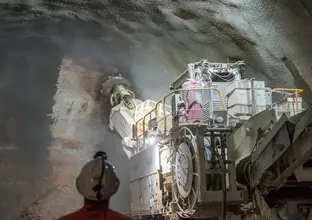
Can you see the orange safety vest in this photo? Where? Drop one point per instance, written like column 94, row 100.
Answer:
column 95, row 211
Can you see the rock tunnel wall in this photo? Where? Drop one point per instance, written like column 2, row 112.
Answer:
column 78, row 132
column 26, row 96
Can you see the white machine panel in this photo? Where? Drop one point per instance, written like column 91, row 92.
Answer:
column 240, row 97
column 143, row 108
column 268, row 97
column 143, row 172
column 165, row 160
column 122, row 121
column 144, row 163
column 144, row 196
column 221, row 86
column 244, row 84
column 289, row 107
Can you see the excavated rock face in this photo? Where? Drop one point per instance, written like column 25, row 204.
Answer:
column 150, row 42
column 78, row 132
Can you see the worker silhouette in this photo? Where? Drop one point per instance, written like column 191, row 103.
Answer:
column 97, row 182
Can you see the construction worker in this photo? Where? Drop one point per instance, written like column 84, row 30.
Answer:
column 97, row 182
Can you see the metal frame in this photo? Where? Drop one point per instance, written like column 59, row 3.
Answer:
column 283, row 135
column 164, row 118
column 275, row 143
column 304, row 144
column 233, row 195
column 302, row 123
column 208, row 198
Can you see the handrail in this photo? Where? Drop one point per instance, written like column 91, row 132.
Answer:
column 164, row 106
column 297, row 91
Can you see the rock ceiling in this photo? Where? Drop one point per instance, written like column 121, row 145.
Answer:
column 157, row 38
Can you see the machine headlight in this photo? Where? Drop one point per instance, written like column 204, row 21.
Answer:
column 151, row 140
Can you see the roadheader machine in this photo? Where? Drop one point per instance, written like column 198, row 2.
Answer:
column 218, row 146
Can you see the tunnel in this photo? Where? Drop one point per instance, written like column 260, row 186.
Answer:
column 150, row 43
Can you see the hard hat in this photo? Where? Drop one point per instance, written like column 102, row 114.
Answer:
column 98, row 179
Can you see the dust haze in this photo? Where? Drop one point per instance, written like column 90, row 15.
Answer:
column 29, row 70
